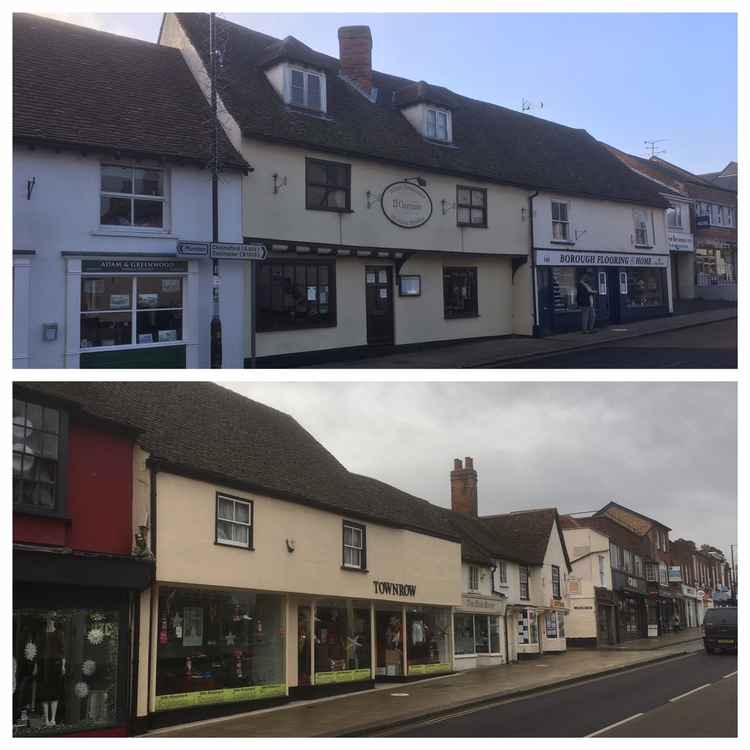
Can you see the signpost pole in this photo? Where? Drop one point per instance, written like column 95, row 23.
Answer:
column 253, row 310
column 216, row 318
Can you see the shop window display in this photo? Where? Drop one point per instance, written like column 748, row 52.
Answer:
column 65, row 670
column 342, row 642
column 645, row 288
column 476, row 634
column 565, row 286
column 428, row 640
column 218, row 647
column 390, row 643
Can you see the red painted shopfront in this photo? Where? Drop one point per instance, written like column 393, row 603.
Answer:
column 75, row 571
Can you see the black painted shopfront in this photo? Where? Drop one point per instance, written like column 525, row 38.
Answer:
column 630, row 595
column 627, row 288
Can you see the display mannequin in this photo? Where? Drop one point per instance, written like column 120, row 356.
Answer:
column 51, row 677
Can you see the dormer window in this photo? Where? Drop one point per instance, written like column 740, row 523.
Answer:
column 305, row 89
column 437, row 125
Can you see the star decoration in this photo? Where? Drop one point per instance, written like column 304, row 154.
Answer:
column 230, row 639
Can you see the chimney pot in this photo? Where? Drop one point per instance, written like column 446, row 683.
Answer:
column 469, row 462
column 457, row 464
column 355, row 55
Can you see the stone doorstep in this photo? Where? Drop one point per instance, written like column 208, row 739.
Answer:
column 372, row 727
column 616, row 336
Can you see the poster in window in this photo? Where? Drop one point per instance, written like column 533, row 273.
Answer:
column 603, row 283
column 145, row 338
column 312, row 293
column 324, row 295
column 118, row 301
column 168, row 335
column 148, row 300
column 383, row 293
column 370, row 278
column 193, row 626
column 382, row 277
column 623, row 282
column 170, row 285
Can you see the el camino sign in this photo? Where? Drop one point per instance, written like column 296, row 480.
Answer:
column 406, row 205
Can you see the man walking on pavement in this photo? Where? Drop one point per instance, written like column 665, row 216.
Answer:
column 585, row 299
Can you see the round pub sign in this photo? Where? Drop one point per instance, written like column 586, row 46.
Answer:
column 406, row 205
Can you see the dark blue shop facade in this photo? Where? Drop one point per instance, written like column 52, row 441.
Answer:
column 628, row 286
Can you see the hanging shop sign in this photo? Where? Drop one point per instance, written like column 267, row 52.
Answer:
column 237, row 251
column 478, row 604
column 680, row 242
column 675, row 574
column 134, row 266
column 394, row 589
column 631, row 260
column 406, row 205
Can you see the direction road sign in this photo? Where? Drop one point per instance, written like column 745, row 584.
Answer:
column 237, row 251
column 198, row 249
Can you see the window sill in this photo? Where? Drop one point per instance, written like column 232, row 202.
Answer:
column 460, row 317
column 130, row 232
column 25, row 510
column 472, row 226
column 644, row 247
column 234, row 546
column 330, row 210
column 354, row 570
column 562, row 242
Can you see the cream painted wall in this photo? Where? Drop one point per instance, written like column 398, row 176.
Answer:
column 283, row 216
column 422, row 318
column 585, row 571
column 523, row 301
column 187, row 552
column 581, row 620
column 601, row 225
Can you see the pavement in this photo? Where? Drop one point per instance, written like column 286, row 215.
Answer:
column 395, row 704
column 663, row 641
column 654, row 698
column 520, row 351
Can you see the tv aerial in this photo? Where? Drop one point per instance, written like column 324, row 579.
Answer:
column 529, row 106
column 653, row 148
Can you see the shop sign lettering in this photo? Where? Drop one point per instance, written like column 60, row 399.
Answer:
column 394, row 589
column 567, row 258
column 134, row 266
column 225, row 695
column 406, row 205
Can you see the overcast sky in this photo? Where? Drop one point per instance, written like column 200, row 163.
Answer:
column 626, row 78
column 667, row 450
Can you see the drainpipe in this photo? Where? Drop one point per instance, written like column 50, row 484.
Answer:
column 535, row 327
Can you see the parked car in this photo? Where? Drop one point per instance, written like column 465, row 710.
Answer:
column 720, row 629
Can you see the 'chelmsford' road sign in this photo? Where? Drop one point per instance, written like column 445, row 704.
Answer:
column 236, row 251
column 196, row 249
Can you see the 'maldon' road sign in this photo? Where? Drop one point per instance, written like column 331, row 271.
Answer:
column 194, row 249
column 236, row 251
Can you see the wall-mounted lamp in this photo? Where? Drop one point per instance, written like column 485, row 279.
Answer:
column 30, row 187
column 579, row 233
column 447, row 206
column 419, row 180
column 372, row 198
column 278, row 183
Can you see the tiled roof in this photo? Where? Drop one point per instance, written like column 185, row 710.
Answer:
column 628, row 518
column 79, row 88
column 490, row 143
column 214, row 434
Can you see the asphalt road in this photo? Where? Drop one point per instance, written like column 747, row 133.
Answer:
column 590, row 707
column 713, row 345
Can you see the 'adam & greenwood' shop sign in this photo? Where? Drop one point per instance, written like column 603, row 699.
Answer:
column 394, row 589
column 406, row 205
column 632, row 260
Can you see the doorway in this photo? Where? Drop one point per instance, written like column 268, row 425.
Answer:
column 379, row 305
column 389, row 634
column 304, row 644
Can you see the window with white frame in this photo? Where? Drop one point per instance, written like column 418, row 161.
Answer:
column 132, row 197
column 601, row 570
column 675, row 216
column 234, row 521
column 473, row 578
column 476, row 634
column 663, row 578
column 523, row 578
column 627, row 560
column 305, row 89
column 640, row 217
column 652, row 571
column 615, row 554
column 131, row 310
column 556, row 581
column 437, row 124
column 354, row 545
column 560, row 222
column 638, row 565
column 502, row 572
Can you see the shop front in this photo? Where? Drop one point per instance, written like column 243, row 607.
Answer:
column 131, row 312
column 218, row 646
column 526, row 621
column 606, row 617
column 661, row 609
column 715, row 268
column 553, row 627
column 627, row 287
column 72, row 642
column 632, row 615
column 479, row 632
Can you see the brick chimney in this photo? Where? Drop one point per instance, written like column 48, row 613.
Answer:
column 464, row 487
column 355, row 55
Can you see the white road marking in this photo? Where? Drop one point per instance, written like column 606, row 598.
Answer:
column 616, row 724
column 689, row 692
column 731, row 674
column 400, row 695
